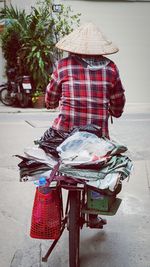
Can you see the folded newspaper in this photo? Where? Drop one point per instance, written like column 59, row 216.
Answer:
column 103, row 163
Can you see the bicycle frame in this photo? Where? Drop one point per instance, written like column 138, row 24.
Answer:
column 75, row 212
column 72, row 190
column 75, row 216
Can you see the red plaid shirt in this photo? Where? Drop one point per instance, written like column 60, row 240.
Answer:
column 85, row 93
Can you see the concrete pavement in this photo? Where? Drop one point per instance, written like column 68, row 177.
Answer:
column 124, row 242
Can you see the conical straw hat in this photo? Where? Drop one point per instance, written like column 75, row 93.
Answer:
column 87, row 40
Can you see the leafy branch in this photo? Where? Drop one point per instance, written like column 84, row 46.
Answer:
column 32, row 38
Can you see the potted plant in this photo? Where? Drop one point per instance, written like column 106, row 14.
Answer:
column 38, row 99
column 11, row 37
column 36, row 35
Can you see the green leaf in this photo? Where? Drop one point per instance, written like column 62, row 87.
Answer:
column 33, row 37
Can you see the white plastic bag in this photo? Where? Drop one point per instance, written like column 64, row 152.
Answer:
column 84, row 148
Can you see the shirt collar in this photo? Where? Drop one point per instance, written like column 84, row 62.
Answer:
column 93, row 63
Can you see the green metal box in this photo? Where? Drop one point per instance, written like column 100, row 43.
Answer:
column 99, row 201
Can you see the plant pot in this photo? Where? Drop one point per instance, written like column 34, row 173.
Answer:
column 2, row 27
column 40, row 102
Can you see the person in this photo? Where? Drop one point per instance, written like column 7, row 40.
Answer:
column 85, row 85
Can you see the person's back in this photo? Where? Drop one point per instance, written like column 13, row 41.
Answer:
column 87, row 89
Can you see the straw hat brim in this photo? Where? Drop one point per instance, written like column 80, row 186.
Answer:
column 87, row 40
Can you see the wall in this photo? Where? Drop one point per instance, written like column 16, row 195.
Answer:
column 127, row 24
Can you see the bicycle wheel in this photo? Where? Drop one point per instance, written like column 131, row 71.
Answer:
column 5, row 97
column 74, row 228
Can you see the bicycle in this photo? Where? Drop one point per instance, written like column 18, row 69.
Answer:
column 77, row 210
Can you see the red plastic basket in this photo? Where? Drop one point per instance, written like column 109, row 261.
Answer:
column 46, row 215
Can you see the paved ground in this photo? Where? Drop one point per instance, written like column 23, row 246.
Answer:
column 124, row 242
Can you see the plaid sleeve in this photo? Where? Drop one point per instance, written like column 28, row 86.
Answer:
column 117, row 97
column 53, row 91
